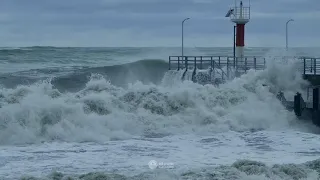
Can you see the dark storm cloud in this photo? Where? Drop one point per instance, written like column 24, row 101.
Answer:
column 152, row 22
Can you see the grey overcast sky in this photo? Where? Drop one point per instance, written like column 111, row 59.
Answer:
column 154, row 23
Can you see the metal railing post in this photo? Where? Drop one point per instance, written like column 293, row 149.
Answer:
column 255, row 63
column 311, row 69
column 304, row 66
column 178, row 63
column 245, row 64
column 186, row 61
column 201, row 62
column 227, row 62
column 314, row 66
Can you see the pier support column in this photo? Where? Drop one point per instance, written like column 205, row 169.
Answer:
column 315, row 99
column 297, row 104
column 315, row 107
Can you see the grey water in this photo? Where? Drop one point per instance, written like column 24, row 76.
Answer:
column 106, row 113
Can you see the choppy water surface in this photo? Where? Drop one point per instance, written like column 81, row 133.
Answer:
column 105, row 113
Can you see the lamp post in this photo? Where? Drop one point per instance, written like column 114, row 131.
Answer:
column 234, row 46
column 287, row 32
column 182, row 35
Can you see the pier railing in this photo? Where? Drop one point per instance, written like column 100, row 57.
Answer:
column 205, row 62
column 309, row 65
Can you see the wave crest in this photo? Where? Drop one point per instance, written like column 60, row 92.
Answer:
column 102, row 111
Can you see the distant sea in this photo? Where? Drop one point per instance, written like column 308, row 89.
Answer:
column 119, row 113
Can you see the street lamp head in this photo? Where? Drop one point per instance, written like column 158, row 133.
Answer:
column 290, row 20
column 185, row 19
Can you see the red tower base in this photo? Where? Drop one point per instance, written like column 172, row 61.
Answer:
column 240, row 40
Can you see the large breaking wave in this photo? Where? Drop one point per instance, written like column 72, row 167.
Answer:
column 75, row 78
column 101, row 110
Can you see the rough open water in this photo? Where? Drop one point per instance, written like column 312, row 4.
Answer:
column 105, row 113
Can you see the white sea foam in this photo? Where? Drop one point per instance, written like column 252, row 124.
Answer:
column 202, row 129
column 273, row 155
column 101, row 111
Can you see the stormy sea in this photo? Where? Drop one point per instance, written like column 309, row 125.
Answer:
column 120, row 114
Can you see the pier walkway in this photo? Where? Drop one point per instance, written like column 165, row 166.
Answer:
column 310, row 66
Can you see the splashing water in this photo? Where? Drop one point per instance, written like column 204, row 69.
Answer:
column 203, row 129
column 102, row 111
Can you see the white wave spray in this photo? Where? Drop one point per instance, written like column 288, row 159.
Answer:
column 102, row 112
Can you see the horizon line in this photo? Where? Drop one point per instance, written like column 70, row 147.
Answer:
column 48, row 46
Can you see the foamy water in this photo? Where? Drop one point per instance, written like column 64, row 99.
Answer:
column 237, row 130
column 178, row 153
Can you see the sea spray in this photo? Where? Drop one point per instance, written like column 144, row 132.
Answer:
column 102, row 111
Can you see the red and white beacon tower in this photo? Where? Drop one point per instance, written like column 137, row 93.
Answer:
column 240, row 15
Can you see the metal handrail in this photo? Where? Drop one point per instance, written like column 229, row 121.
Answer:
column 216, row 64
column 311, row 65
